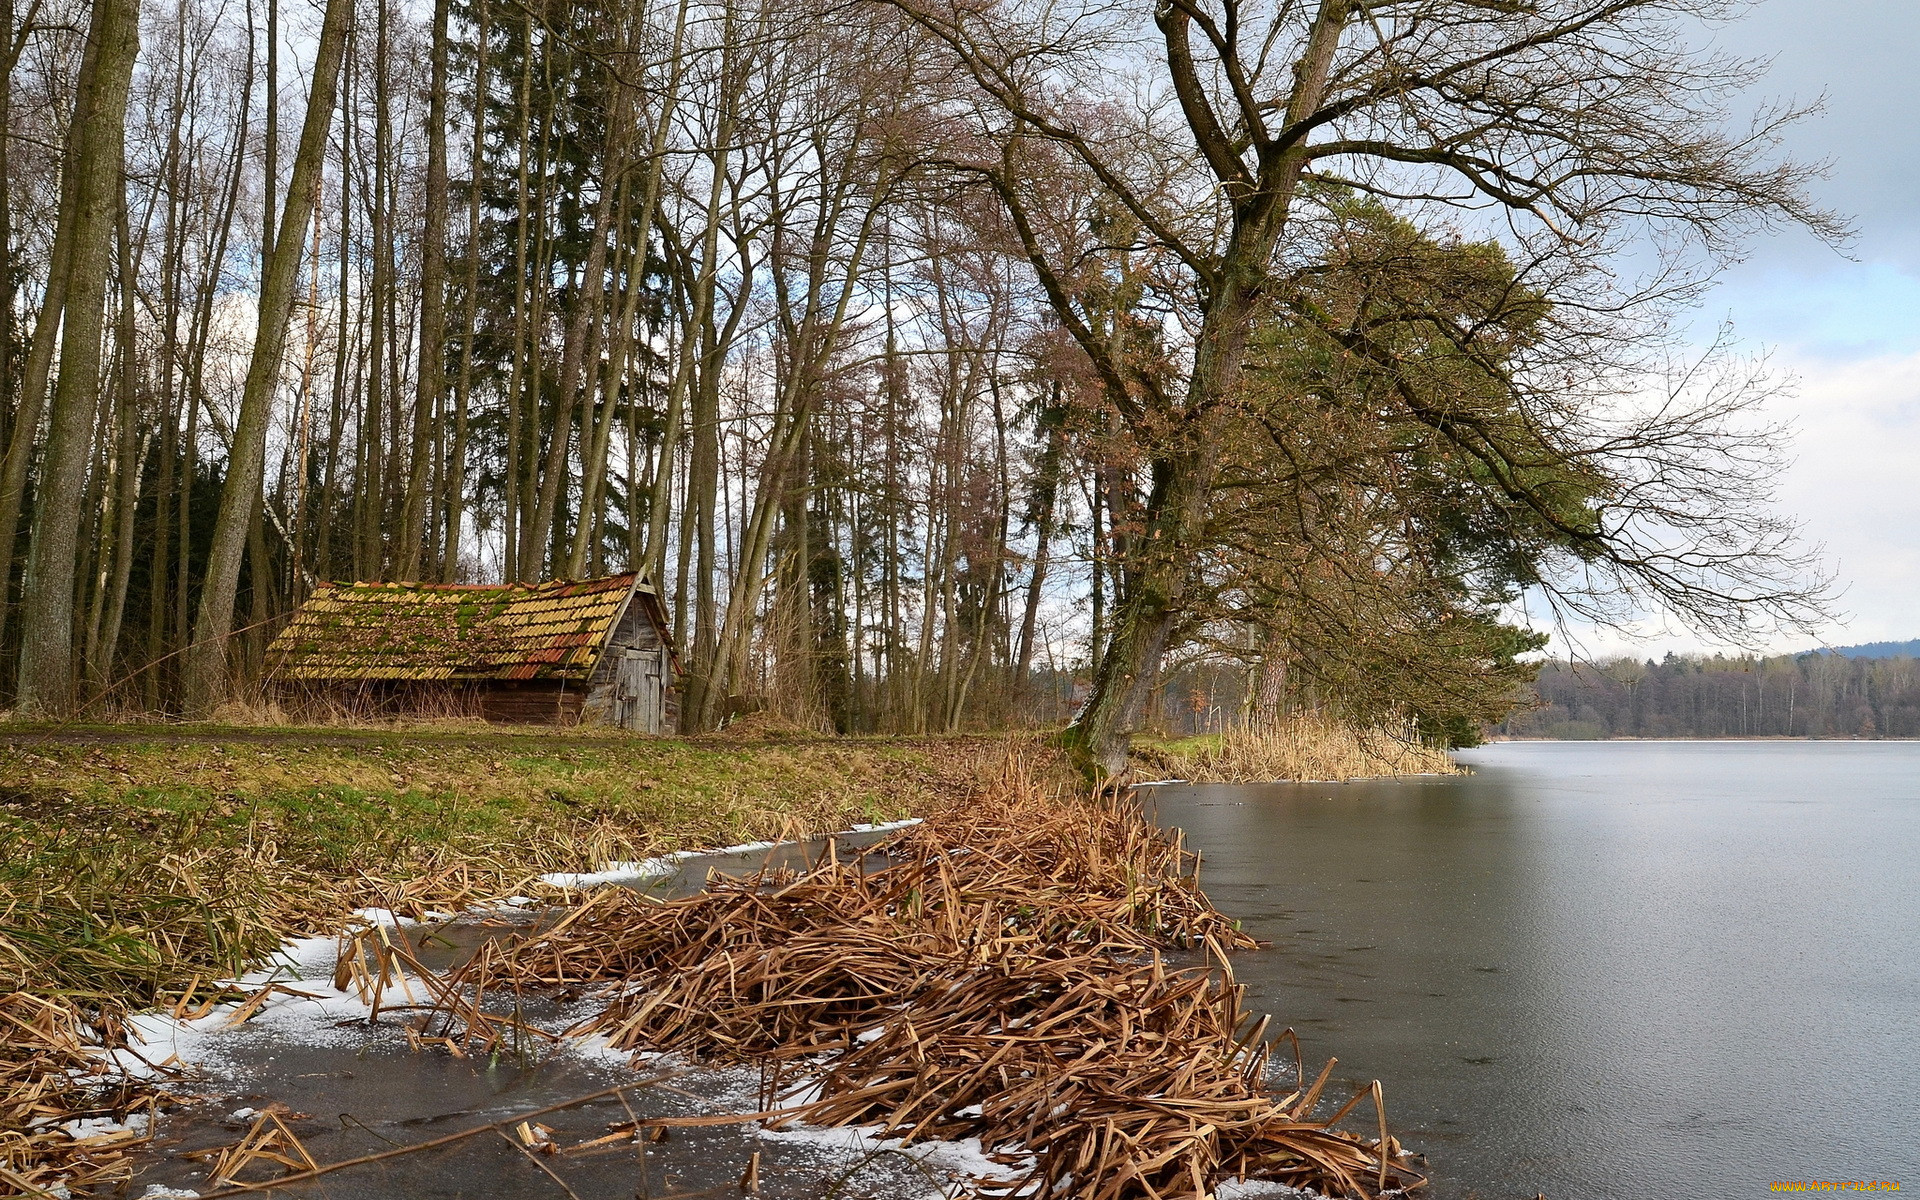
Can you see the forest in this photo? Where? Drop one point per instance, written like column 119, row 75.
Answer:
column 945, row 366
column 1786, row 695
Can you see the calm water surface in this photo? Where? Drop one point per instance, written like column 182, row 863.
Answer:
column 1619, row 970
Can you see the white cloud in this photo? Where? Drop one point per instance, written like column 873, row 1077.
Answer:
column 1856, row 483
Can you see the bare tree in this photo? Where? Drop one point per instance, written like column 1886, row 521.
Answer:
column 431, row 374
column 92, row 179
column 240, row 498
column 1570, row 123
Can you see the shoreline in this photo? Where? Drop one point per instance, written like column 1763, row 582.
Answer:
column 1501, row 739
column 1080, row 867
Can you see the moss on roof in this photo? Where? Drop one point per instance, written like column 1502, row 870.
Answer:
column 348, row 632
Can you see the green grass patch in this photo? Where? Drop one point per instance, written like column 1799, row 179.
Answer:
column 133, row 860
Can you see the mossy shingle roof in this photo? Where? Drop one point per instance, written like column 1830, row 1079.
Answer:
column 432, row 631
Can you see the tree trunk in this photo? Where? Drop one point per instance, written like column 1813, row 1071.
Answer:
column 430, row 380
column 1046, row 491
column 32, row 394
column 522, row 352
column 207, row 661
column 586, row 313
column 337, row 407
column 469, row 323
column 94, row 155
column 1163, row 560
column 133, row 460
column 1270, row 685
column 1160, row 568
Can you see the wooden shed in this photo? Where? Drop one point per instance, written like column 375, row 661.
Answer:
column 569, row 651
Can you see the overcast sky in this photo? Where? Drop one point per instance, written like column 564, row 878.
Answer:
column 1848, row 331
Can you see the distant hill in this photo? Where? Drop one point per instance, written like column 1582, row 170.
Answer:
column 1878, row 650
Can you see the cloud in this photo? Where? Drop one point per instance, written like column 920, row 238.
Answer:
column 1856, row 483
column 1848, row 329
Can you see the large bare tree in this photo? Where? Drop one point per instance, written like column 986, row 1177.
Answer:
column 1204, row 129
column 90, row 189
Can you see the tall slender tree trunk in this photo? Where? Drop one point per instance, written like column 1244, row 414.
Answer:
column 585, row 313
column 813, row 339
column 271, row 134
column 9, row 395
column 342, row 343
column 382, row 436
column 1046, row 493
column 535, row 402
column 430, row 378
column 6, row 247
column 207, row 660
column 94, row 156
column 456, row 497
column 132, row 457
column 523, row 335
column 199, row 332
column 32, row 394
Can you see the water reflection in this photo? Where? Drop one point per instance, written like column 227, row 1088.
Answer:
column 1615, row 970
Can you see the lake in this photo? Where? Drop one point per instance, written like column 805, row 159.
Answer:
column 1619, row 970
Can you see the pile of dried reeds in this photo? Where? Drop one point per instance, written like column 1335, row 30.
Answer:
column 1305, row 746
column 1004, row 979
column 48, row 1076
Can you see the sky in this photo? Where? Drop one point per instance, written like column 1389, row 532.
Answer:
column 1845, row 326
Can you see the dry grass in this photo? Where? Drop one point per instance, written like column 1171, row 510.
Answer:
column 1007, row 980
column 1305, row 746
column 47, row 1076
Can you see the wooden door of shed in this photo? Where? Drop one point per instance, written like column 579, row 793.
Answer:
column 640, row 691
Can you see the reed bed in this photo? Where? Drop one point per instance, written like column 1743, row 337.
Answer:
column 1302, row 747
column 93, row 929
column 1006, row 977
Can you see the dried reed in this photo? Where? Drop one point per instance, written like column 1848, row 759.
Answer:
column 1304, row 746
column 48, row 1076
column 1004, row 979
column 111, row 901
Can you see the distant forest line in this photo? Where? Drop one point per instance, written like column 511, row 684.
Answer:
column 1791, row 695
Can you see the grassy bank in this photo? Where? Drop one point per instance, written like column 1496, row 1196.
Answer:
column 139, row 866
column 1305, row 746
column 110, row 841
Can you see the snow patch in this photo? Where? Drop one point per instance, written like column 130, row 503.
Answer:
column 666, row 864
column 963, row 1159
column 386, row 917
column 1257, row 1189
column 620, row 872
column 885, row 826
column 81, row 1128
